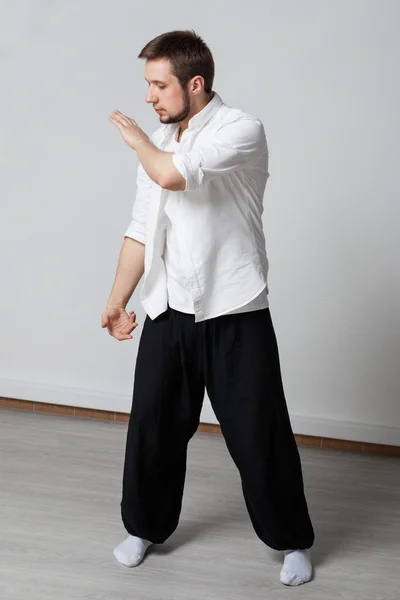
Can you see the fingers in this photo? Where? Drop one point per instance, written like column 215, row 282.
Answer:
column 120, row 336
column 123, row 334
column 116, row 122
column 132, row 318
column 130, row 323
column 129, row 327
column 118, row 117
column 124, row 118
column 124, row 329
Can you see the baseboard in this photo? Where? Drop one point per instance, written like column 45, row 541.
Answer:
column 325, row 433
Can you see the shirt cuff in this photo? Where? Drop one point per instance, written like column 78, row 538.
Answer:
column 190, row 169
column 136, row 232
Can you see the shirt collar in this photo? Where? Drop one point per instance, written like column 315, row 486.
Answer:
column 200, row 118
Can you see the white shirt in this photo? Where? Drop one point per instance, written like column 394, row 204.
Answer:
column 206, row 242
column 179, row 296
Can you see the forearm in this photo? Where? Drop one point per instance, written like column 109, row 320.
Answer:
column 129, row 272
column 157, row 163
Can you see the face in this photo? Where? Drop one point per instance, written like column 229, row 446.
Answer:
column 165, row 92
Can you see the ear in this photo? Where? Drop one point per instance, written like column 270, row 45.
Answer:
column 197, row 84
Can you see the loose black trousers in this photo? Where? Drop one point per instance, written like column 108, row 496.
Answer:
column 235, row 358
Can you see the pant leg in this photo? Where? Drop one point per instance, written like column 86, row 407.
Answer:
column 167, row 399
column 243, row 381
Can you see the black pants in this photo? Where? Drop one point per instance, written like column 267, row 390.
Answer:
column 235, row 357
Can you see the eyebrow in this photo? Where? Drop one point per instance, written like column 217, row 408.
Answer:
column 155, row 81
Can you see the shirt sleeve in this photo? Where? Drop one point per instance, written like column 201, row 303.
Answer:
column 235, row 146
column 138, row 225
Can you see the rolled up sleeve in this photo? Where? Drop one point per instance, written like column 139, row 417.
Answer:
column 235, row 146
column 138, row 225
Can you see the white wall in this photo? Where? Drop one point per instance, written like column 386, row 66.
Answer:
column 323, row 77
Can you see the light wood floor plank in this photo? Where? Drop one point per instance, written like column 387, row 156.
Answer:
column 59, row 521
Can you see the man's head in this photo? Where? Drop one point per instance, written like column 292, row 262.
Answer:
column 180, row 74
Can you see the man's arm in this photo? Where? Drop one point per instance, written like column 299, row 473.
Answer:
column 159, row 166
column 129, row 271
column 131, row 260
column 235, row 146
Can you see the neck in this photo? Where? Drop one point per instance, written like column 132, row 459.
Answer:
column 185, row 124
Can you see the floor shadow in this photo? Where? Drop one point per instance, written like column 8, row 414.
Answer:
column 187, row 530
column 354, row 507
column 345, row 514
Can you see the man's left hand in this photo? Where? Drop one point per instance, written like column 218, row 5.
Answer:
column 129, row 129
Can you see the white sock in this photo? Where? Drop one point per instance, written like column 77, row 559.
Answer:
column 296, row 568
column 131, row 551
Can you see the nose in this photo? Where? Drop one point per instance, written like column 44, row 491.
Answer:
column 151, row 97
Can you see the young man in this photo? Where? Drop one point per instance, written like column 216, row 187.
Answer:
column 197, row 236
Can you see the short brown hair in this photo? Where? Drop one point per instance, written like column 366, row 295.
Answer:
column 188, row 54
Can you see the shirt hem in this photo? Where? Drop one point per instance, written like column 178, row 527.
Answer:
column 220, row 314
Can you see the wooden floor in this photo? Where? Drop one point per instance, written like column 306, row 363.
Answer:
column 59, row 521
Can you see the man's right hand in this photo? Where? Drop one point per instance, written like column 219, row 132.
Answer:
column 119, row 324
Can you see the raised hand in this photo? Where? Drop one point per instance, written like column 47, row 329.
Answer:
column 128, row 128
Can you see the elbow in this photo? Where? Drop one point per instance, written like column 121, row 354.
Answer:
column 174, row 186
column 173, row 182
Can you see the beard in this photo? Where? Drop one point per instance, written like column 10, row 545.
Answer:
column 183, row 113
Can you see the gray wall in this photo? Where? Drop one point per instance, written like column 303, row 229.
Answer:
column 323, row 78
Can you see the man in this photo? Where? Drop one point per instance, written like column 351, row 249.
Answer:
column 197, row 236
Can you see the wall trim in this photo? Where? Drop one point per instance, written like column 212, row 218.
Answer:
column 93, row 403
column 304, row 440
